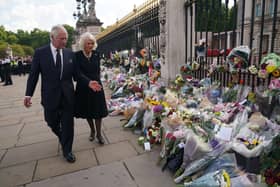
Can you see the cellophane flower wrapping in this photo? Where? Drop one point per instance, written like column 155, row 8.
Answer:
column 225, row 162
column 136, row 119
column 265, row 101
column 202, row 163
column 212, row 179
column 263, row 136
column 194, row 148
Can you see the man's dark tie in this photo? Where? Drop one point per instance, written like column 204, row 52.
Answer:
column 58, row 61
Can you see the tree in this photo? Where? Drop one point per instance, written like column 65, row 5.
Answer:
column 24, row 38
column 28, row 51
column 212, row 15
column 12, row 39
column 3, row 49
column 3, row 33
column 17, row 50
column 39, row 38
column 70, row 31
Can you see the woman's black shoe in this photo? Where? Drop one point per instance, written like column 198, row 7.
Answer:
column 91, row 137
column 100, row 140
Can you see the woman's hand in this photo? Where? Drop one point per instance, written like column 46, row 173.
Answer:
column 95, row 86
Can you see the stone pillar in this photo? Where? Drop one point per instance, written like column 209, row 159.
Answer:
column 172, row 37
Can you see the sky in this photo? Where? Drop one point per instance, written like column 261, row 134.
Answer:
column 43, row 14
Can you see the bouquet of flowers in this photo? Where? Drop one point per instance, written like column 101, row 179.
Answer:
column 218, row 178
column 270, row 163
column 238, row 58
column 270, row 64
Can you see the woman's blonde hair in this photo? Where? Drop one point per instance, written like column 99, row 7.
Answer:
column 87, row 36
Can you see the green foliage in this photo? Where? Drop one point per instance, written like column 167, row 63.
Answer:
column 17, row 50
column 39, row 38
column 71, row 32
column 3, row 34
column 28, row 51
column 213, row 16
column 24, row 38
column 3, row 47
column 12, row 39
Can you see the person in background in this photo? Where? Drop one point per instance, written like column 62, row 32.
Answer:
column 7, row 71
column 90, row 102
column 2, row 76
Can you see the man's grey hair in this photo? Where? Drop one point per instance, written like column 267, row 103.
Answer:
column 87, row 36
column 55, row 30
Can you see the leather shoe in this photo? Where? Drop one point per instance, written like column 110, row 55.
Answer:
column 100, row 140
column 70, row 157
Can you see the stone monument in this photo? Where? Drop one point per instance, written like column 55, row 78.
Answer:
column 87, row 22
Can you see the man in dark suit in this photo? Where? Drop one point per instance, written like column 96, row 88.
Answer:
column 56, row 64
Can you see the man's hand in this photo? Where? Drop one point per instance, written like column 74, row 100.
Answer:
column 95, row 86
column 27, row 102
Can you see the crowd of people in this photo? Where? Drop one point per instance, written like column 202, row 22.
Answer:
column 13, row 66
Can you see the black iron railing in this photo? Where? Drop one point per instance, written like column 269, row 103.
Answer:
column 225, row 25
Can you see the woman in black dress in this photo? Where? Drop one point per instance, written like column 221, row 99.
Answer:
column 90, row 97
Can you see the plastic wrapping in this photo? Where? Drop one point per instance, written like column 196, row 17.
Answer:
column 135, row 119
column 202, row 163
column 225, row 162
column 266, row 135
column 213, row 179
column 148, row 118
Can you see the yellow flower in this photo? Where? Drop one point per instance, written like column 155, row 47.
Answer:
column 255, row 142
column 226, row 178
column 165, row 104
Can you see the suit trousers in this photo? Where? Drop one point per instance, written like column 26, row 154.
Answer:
column 61, row 122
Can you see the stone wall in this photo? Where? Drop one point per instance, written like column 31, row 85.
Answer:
column 172, row 37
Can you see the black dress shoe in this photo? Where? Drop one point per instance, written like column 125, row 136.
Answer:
column 100, row 140
column 91, row 137
column 70, row 157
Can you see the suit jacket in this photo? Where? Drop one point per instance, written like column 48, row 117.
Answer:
column 53, row 88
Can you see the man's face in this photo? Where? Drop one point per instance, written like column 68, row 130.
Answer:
column 60, row 40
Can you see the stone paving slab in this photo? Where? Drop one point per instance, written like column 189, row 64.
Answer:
column 17, row 175
column 109, row 175
column 81, row 127
column 146, row 173
column 35, row 138
column 27, row 153
column 113, row 122
column 118, row 134
column 36, row 127
column 114, row 152
column 55, row 166
column 8, row 122
column 2, row 152
column 11, row 114
column 6, row 143
column 10, row 131
column 35, row 118
column 81, row 142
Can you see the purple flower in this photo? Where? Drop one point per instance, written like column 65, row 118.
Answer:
column 158, row 108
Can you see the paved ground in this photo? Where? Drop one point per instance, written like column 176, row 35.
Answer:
column 30, row 154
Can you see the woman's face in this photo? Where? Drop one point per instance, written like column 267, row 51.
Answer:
column 88, row 45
